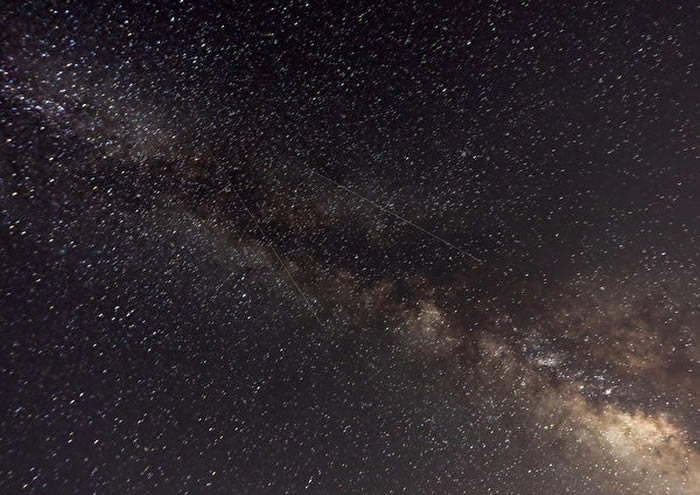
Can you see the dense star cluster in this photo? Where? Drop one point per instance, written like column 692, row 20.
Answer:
column 215, row 275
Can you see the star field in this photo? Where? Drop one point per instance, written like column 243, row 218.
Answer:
column 215, row 275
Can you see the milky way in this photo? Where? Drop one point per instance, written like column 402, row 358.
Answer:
column 190, row 303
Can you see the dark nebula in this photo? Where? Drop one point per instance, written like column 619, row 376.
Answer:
column 190, row 304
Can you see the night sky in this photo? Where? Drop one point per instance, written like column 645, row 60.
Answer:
column 372, row 248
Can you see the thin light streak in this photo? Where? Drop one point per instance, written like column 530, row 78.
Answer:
column 279, row 258
column 396, row 215
column 272, row 247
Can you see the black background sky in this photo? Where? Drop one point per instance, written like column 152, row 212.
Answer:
column 153, row 343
